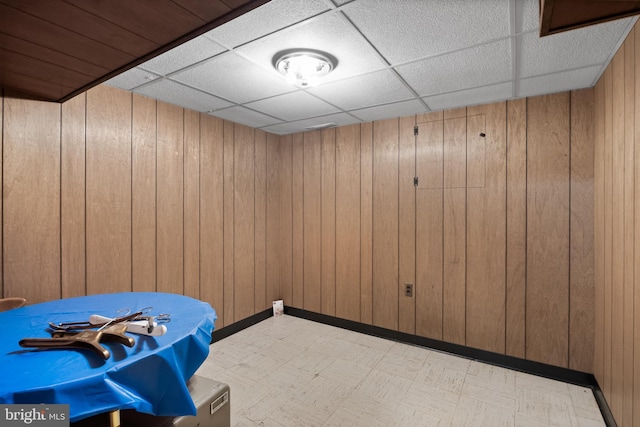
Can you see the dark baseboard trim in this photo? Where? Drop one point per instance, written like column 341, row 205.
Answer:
column 231, row 329
column 607, row 415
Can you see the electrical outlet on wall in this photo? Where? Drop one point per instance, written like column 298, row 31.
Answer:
column 408, row 289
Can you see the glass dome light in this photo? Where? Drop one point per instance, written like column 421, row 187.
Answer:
column 304, row 67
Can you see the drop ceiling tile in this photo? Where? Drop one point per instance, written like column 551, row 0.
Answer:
column 404, row 30
column 571, row 49
column 328, row 33
column 527, row 16
column 188, row 53
column 266, row 19
column 558, row 82
column 340, row 119
column 234, row 78
column 478, row 66
column 131, row 78
column 398, row 109
column 293, row 106
column 175, row 93
column 380, row 87
column 475, row 96
column 245, row 116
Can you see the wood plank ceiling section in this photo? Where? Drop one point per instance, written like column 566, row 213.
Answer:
column 562, row 15
column 53, row 50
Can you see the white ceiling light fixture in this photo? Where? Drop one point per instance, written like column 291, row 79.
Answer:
column 304, row 67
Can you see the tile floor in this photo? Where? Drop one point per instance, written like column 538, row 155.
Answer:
column 288, row 371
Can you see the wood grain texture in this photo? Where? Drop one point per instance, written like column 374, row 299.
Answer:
column 298, row 244
column 31, row 200
column 617, row 230
column 228, row 177
column 516, row 226
column 429, row 259
column 385, row 223
column 348, row 254
column 108, row 191
column 260, row 188
column 244, row 222
column 486, row 238
column 143, row 194
column 406, row 224
column 212, row 214
column 636, row 255
column 191, row 206
column 454, row 231
column 476, row 151
column 328, row 223
column 548, row 145
column 366, row 223
column 170, row 198
column 312, row 219
column 72, row 197
column 629, row 232
column 273, row 235
column 286, row 220
column 430, row 154
column 608, row 197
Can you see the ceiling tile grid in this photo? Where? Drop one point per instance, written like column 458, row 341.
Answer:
column 394, row 58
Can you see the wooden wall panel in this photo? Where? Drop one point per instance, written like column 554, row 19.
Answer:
column 298, row 243
column 328, row 223
column 406, row 224
column 170, row 200
column 312, row 217
column 229, row 225
column 260, row 186
column 581, row 275
column 31, row 200
column 366, row 223
column 636, row 252
column 348, row 235
column 108, row 191
column 72, row 200
column 454, row 230
column 143, row 193
column 273, row 218
column 2, row 130
column 287, row 255
column 430, row 154
column 191, row 207
column 608, row 193
column 476, row 151
column 548, row 228
column 212, row 214
column 244, row 222
column 516, row 226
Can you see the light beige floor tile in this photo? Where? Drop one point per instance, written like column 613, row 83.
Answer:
column 438, row 403
column 442, row 377
column 472, row 412
column 346, row 372
column 360, row 409
column 504, row 401
column 384, row 386
column 287, row 377
column 401, row 365
column 281, row 350
column 255, row 367
column 311, row 361
column 323, row 394
column 294, row 414
column 408, row 416
column 491, row 377
column 363, row 355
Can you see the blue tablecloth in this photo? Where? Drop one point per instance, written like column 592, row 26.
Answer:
column 149, row 377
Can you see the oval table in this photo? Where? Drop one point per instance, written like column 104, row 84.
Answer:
column 149, row 377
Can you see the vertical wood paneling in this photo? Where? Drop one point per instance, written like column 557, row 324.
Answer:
column 454, row 230
column 72, row 172
column 430, row 154
column 516, row 226
column 108, row 191
column 212, row 214
column 617, row 254
column 629, row 235
column 581, row 286
column 366, row 223
column 548, row 228
column 297, row 148
column 312, row 229
column 191, row 207
column 476, row 151
column 229, row 225
column 170, row 198
column 348, row 254
column 385, row 223
column 287, row 255
column 608, row 195
column 407, row 224
column 486, row 228
column 31, row 200
column 244, row 223
column 260, row 178
column 143, row 197
column 328, row 222
column 273, row 257
column 636, row 252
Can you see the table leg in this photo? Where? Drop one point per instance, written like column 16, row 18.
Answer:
column 114, row 418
